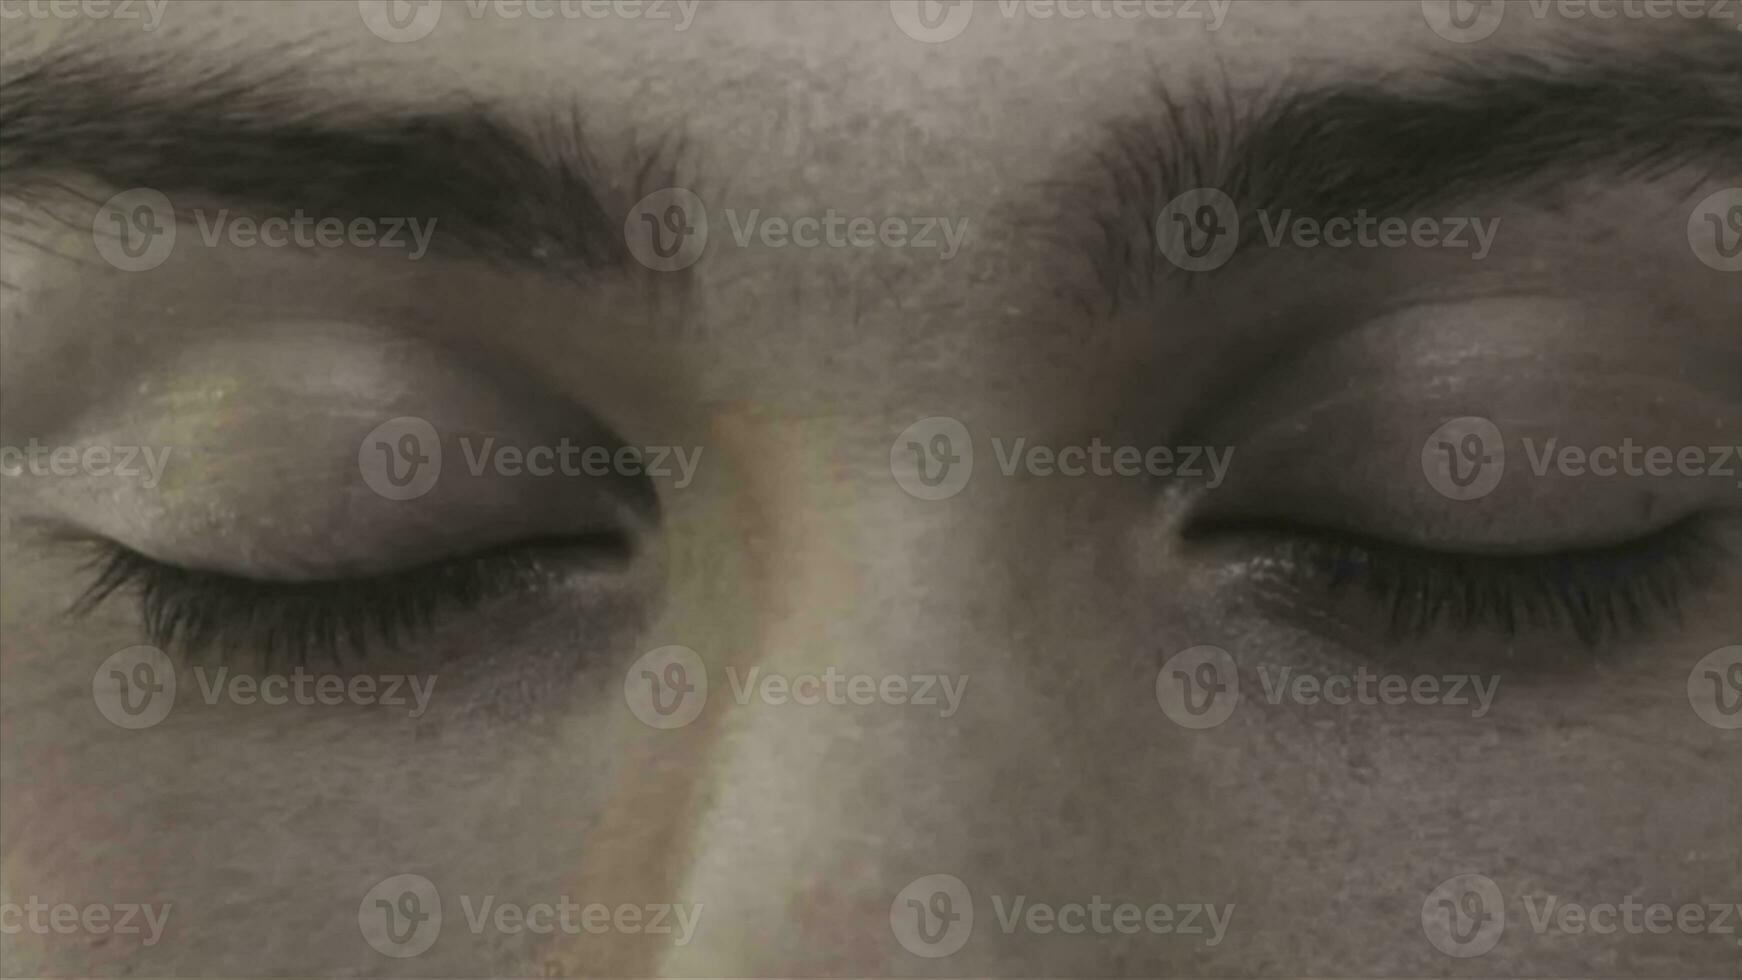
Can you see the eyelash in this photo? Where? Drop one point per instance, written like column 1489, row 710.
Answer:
column 1598, row 594
column 197, row 611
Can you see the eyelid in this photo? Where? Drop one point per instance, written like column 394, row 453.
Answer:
column 1598, row 595
column 199, row 611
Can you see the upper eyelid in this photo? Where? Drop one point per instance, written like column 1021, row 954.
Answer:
column 197, row 610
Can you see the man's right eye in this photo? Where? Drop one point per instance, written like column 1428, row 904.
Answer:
column 337, row 620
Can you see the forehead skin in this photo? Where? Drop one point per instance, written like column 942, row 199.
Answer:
column 795, row 829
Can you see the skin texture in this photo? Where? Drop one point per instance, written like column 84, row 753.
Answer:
column 794, row 550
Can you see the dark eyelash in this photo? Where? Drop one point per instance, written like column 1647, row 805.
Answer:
column 199, row 611
column 1598, row 594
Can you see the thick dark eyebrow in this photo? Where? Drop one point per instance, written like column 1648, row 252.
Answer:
column 522, row 193
column 1487, row 124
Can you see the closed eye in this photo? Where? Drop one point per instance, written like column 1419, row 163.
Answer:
column 340, row 619
column 1599, row 595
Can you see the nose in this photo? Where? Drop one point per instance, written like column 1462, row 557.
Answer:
column 913, row 707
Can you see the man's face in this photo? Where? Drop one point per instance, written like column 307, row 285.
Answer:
column 871, row 489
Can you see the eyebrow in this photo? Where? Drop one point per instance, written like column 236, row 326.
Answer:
column 1493, row 123
column 532, row 194
column 503, row 189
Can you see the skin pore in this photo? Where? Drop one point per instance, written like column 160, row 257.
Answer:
column 1050, row 604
